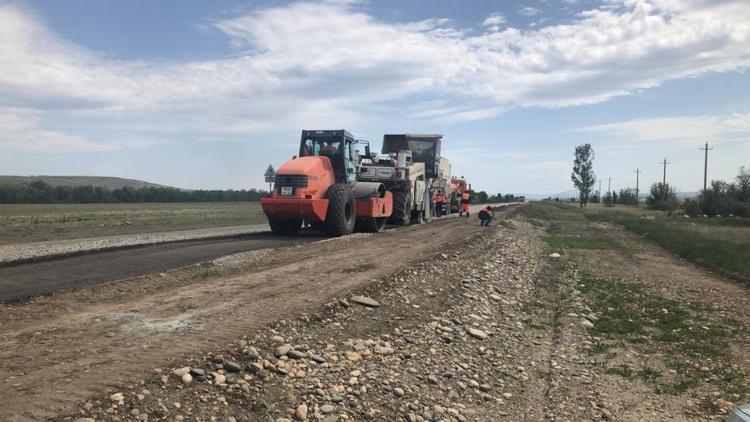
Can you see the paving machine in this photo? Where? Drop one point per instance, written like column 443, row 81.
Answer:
column 320, row 186
column 411, row 167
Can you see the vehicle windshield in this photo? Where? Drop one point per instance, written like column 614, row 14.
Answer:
column 321, row 146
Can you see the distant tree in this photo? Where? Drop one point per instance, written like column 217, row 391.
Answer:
column 715, row 200
column 743, row 185
column 627, row 196
column 480, row 197
column 595, row 198
column 583, row 176
column 662, row 197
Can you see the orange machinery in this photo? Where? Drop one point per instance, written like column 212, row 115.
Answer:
column 320, row 187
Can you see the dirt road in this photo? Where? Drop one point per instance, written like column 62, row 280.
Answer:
column 63, row 348
column 33, row 279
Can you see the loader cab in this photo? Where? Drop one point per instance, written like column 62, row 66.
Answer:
column 337, row 146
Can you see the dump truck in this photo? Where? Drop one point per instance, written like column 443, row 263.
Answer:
column 413, row 170
column 320, row 186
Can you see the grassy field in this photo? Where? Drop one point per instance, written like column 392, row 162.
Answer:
column 37, row 222
column 721, row 244
column 680, row 340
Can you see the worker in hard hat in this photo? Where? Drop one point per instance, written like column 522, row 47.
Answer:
column 486, row 215
column 465, row 199
column 439, row 203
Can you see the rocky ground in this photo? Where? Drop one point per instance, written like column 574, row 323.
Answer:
column 494, row 327
column 444, row 340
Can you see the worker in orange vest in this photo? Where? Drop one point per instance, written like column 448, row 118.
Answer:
column 465, row 199
column 439, row 203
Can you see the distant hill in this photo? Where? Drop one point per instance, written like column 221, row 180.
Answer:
column 73, row 181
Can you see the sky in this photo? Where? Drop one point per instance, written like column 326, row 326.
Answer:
column 199, row 94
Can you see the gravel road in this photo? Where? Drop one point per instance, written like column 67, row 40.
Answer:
column 63, row 348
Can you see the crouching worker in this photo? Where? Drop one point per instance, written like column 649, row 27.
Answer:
column 486, row 215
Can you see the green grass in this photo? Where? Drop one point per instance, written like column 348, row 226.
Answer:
column 38, row 222
column 720, row 245
column 568, row 228
column 629, row 314
column 628, row 311
column 208, row 270
column 690, row 334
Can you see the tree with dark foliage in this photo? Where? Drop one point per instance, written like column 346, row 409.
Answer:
column 583, row 176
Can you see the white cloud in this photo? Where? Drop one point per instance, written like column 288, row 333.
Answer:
column 331, row 64
column 494, row 22
column 529, row 11
column 23, row 131
column 682, row 129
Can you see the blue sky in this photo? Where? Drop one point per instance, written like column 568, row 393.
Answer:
column 202, row 94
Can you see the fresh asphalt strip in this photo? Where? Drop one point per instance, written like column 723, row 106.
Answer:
column 22, row 281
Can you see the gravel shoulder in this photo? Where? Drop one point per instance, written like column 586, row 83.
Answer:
column 13, row 253
column 65, row 347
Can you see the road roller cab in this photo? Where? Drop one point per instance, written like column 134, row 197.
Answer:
column 320, row 186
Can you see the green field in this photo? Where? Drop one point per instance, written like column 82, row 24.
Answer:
column 74, row 181
column 21, row 223
column 720, row 244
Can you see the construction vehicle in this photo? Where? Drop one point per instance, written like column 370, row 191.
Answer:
column 320, row 186
column 412, row 169
column 459, row 187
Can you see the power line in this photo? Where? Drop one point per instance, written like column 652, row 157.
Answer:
column 664, row 176
column 705, row 165
column 637, row 182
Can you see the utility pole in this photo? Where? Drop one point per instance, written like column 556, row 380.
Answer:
column 637, row 183
column 664, row 177
column 705, row 165
column 609, row 184
column 600, row 190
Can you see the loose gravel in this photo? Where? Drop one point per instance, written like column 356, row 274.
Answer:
column 442, row 340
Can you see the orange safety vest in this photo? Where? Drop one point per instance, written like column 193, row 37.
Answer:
column 439, row 199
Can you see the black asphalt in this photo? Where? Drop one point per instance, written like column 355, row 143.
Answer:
column 39, row 278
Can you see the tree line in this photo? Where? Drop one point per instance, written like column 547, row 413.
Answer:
column 483, row 197
column 40, row 192
column 721, row 198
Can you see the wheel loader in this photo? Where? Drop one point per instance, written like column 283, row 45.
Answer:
column 319, row 186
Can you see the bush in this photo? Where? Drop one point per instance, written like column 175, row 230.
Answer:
column 716, row 200
column 691, row 207
column 740, row 209
column 662, row 198
column 628, row 196
column 609, row 200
